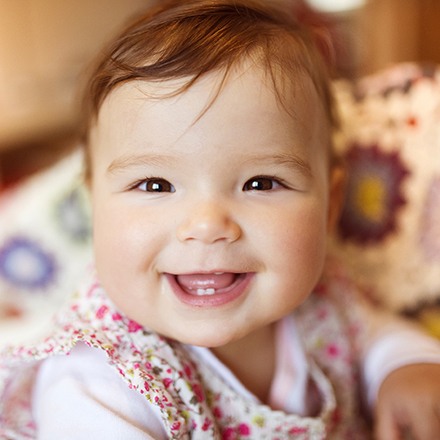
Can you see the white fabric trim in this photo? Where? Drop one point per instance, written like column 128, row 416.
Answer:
column 398, row 347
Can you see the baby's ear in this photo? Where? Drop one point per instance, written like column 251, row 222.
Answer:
column 337, row 184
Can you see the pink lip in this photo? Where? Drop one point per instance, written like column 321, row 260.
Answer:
column 222, row 297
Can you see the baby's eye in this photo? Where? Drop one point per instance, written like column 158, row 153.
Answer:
column 261, row 184
column 155, row 185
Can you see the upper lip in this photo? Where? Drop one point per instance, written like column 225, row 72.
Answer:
column 204, row 272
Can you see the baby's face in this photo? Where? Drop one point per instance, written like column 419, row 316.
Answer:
column 208, row 226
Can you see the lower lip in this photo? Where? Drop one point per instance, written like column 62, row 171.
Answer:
column 225, row 296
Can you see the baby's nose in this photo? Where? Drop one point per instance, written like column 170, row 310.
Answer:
column 209, row 222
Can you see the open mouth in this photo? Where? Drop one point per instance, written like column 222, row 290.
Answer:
column 208, row 284
column 214, row 288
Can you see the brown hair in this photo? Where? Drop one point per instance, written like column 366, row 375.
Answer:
column 187, row 39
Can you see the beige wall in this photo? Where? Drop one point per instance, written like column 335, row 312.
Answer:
column 393, row 31
column 429, row 49
column 44, row 45
column 389, row 30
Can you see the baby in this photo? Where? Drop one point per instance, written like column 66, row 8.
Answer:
column 213, row 313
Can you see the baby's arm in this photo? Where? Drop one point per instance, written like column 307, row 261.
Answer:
column 81, row 397
column 402, row 375
column 409, row 403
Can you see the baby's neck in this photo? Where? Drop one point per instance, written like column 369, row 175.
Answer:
column 252, row 360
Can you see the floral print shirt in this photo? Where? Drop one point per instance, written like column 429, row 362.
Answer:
column 193, row 399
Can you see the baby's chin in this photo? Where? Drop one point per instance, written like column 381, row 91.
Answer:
column 208, row 340
column 209, row 336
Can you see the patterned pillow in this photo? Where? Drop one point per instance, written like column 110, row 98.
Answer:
column 45, row 246
column 389, row 232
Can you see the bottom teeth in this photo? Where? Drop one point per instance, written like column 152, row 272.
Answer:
column 201, row 292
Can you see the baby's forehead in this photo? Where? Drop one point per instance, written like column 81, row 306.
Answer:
column 291, row 90
column 244, row 98
column 248, row 92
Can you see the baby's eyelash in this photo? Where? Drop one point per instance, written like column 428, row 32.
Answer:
column 153, row 185
column 263, row 183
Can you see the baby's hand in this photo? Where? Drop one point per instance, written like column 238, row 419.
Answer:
column 408, row 405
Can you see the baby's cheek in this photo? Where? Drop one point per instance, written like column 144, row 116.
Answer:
column 112, row 247
column 305, row 230
column 302, row 244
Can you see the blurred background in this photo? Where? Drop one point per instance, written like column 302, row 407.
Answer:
column 45, row 46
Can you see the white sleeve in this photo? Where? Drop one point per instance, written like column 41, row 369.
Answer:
column 392, row 342
column 80, row 396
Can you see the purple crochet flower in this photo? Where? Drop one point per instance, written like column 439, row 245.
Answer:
column 374, row 194
column 24, row 264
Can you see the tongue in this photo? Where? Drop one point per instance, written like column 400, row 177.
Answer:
column 206, row 281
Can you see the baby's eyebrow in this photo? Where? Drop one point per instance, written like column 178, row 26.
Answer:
column 129, row 161
column 289, row 160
